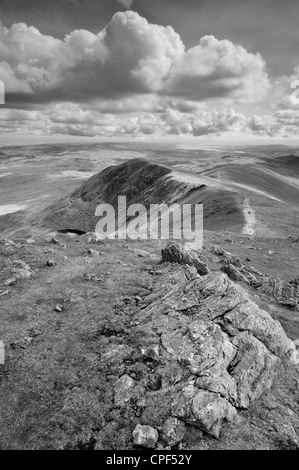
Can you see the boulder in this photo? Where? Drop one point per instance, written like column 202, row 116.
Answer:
column 177, row 253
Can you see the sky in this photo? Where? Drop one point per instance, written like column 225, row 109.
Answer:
column 149, row 69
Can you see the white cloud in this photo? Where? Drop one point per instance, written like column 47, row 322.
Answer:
column 219, row 69
column 130, row 56
column 136, row 78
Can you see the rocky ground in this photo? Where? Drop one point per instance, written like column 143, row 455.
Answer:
column 119, row 346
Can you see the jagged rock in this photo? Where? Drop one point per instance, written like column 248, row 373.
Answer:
column 203, row 409
column 218, row 380
column 179, row 345
column 212, row 346
column 234, row 274
column 213, row 283
column 217, row 250
column 177, row 253
column 145, row 436
column 50, row 262
column 280, row 290
column 173, row 431
column 123, row 389
column 253, row 368
column 54, row 241
column 231, row 347
column 247, row 316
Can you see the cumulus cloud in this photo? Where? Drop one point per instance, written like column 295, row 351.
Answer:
column 70, row 118
column 219, row 69
column 136, row 78
column 130, row 56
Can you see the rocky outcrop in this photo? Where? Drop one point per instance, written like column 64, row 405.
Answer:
column 218, row 351
column 285, row 293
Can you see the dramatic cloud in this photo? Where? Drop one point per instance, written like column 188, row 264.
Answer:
column 135, row 78
column 130, row 56
column 219, row 69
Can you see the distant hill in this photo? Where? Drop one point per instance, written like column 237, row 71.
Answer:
column 145, row 183
column 287, row 165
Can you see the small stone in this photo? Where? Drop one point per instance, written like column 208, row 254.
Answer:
column 4, row 292
column 54, row 241
column 123, row 389
column 50, row 262
column 10, row 282
column 58, row 308
column 145, row 436
column 93, row 252
column 142, row 253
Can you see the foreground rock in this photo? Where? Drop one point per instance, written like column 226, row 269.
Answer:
column 219, row 351
column 177, row 253
column 285, row 293
column 185, row 361
column 203, row 409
